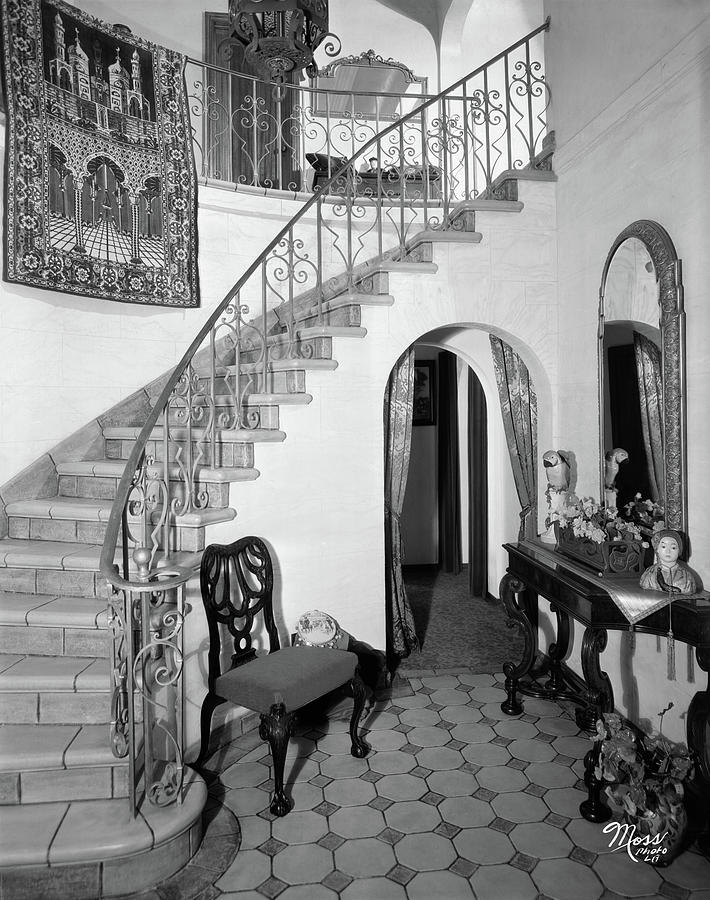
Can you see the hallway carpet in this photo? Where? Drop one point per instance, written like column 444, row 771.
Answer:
column 453, row 628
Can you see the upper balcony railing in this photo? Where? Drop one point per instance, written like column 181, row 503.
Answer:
column 294, row 138
column 449, row 148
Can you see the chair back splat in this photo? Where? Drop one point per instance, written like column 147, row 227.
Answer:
column 237, row 584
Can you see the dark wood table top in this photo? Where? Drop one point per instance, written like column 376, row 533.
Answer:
column 562, row 581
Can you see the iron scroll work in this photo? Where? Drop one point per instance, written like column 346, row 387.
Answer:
column 672, row 325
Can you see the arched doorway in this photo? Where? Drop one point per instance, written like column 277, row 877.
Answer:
column 459, row 469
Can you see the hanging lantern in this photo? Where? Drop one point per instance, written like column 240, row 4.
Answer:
column 280, row 36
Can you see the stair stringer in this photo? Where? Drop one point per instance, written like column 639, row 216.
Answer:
column 319, row 503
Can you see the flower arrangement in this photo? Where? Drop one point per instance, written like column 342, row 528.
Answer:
column 644, row 781
column 589, row 519
column 648, row 515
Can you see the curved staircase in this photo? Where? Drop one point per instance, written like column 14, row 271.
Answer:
column 69, row 829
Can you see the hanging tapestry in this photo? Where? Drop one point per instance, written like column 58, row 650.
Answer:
column 100, row 193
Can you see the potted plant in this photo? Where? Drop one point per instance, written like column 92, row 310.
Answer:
column 644, row 779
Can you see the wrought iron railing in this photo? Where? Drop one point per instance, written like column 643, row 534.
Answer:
column 249, row 133
column 211, row 403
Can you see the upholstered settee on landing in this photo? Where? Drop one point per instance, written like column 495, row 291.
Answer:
column 389, row 181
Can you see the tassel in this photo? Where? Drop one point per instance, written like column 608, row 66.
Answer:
column 631, row 640
column 671, row 656
column 658, row 643
column 691, row 664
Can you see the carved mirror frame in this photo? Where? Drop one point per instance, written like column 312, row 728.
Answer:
column 672, row 326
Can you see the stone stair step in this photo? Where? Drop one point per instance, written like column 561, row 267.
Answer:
column 99, row 479
column 317, row 347
column 83, row 849
column 301, row 399
column 46, row 625
column 407, row 268
column 60, row 567
column 55, row 690
column 234, row 447
column 44, row 763
column 312, row 331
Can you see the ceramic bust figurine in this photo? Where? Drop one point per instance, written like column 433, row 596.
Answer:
column 668, row 573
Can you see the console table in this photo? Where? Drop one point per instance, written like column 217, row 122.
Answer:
column 536, row 569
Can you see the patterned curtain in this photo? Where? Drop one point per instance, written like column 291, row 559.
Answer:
column 650, row 382
column 399, row 401
column 518, row 404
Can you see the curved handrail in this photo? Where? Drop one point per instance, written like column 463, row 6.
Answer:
column 108, row 569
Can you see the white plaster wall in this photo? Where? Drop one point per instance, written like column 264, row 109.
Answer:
column 641, row 153
column 489, row 28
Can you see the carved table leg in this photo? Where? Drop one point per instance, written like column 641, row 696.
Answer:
column 510, row 587
column 558, row 651
column 599, row 694
column 360, row 692
column 698, row 730
column 277, row 727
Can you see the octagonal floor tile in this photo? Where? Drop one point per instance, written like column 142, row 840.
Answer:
column 519, row 807
column 386, row 740
column 297, row 892
column 349, row 792
column 419, row 717
column 531, row 751
column 486, row 754
column 466, row 812
column 535, row 706
column 440, row 758
column 357, row 821
column 619, row 873
column 300, row 827
column 515, row 729
column 343, row 767
column 488, row 694
column 589, row 836
column 304, row 795
column 690, row 870
column 437, row 682
column 302, row 864
column 550, row 775
column 249, row 869
column 440, row 885
column 473, row 733
column 401, row 787
column 502, row 779
column 412, row 816
column 392, row 762
column 576, row 747
column 247, row 801
column 415, row 701
column 428, row 736
column 565, row 879
column 245, row 775
column 460, row 714
column 475, row 679
column 484, row 846
column 335, row 744
column 541, row 840
column 453, row 783
column 379, row 721
column 450, row 697
column 364, row 856
column 254, row 831
column 369, row 888
column 565, row 801
column 425, row 852
column 558, row 725
column 493, row 711
column 497, row 882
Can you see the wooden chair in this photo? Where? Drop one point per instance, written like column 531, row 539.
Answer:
column 236, row 581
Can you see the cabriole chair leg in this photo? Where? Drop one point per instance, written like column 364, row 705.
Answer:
column 277, row 727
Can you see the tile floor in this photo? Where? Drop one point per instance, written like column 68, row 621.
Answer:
column 456, row 800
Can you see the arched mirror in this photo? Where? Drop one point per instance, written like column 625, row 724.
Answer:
column 642, row 369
